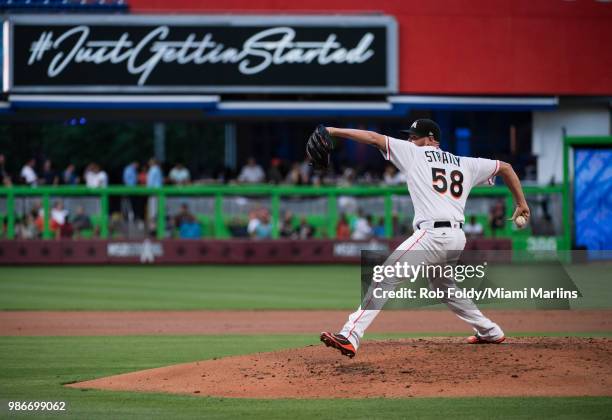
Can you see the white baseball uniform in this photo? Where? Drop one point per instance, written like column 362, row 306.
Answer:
column 439, row 184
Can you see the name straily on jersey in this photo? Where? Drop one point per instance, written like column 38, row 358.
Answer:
column 443, row 157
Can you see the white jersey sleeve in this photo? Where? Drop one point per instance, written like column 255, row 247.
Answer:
column 483, row 170
column 399, row 152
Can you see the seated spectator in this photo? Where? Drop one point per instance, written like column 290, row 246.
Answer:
column 305, row 231
column 473, row 228
column 36, row 209
column 366, row 178
column 59, row 224
column 392, row 176
column 37, row 214
column 87, row 174
column 183, row 216
column 286, row 226
column 116, row 225
column 95, row 176
column 264, row 228
column 179, row 175
column 5, row 178
column 81, row 221
column 294, row 176
column 69, row 176
column 251, row 173
column 347, row 178
column 497, row 216
column 379, row 228
column 49, row 176
column 26, row 228
column 343, row 230
column 254, row 221
column 190, row 230
column 363, row 227
column 305, row 172
column 59, row 215
column 187, row 224
column 274, row 173
column 28, row 174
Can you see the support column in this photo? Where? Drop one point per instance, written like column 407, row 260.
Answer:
column 230, row 146
column 46, row 233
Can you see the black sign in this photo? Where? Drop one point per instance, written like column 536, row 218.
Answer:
column 202, row 54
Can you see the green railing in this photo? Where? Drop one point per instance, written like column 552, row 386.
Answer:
column 219, row 191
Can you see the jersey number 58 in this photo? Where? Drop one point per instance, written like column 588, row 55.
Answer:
column 441, row 184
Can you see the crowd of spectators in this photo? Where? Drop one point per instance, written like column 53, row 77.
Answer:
column 47, row 174
column 301, row 173
column 184, row 224
column 288, row 229
column 62, row 223
column 151, row 174
column 93, row 175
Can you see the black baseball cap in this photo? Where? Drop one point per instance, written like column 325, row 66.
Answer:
column 424, row 127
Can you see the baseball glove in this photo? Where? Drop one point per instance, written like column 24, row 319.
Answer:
column 319, row 148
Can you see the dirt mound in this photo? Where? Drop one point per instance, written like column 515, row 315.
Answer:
column 393, row 368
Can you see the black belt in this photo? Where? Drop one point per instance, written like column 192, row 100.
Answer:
column 445, row 225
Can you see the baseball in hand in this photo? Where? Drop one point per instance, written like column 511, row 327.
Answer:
column 520, row 221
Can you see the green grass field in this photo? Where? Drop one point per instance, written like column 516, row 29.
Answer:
column 222, row 287
column 35, row 368
column 180, row 288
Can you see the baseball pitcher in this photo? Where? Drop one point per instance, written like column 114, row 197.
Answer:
column 439, row 184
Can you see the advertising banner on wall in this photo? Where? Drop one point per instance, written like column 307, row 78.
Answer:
column 213, row 54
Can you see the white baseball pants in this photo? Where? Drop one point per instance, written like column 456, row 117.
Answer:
column 429, row 246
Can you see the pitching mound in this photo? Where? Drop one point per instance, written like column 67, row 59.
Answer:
column 393, row 368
